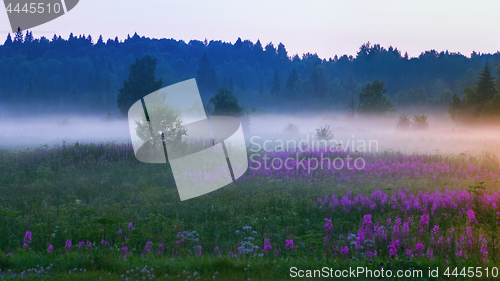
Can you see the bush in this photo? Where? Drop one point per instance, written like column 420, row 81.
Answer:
column 420, row 122
column 324, row 133
column 291, row 129
column 404, row 123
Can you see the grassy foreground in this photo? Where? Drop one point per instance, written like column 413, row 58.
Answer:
column 104, row 213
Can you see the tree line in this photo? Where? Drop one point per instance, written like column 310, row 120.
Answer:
column 80, row 73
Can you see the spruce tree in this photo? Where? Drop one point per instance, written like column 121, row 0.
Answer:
column 19, row 36
column 29, row 37
column 485, row 89
column 8, row 41
column 140, row 82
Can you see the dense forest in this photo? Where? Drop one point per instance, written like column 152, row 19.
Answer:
column 82, row 74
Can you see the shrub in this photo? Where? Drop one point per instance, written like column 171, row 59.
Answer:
column 291, row 129
column 404, row 123
column 420, row 122
column 324, row 133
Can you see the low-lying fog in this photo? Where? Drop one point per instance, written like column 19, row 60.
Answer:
column 374, row 134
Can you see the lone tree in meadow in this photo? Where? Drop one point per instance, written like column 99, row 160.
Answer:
column 225, row 103
column 373, row 101
column 140, row 82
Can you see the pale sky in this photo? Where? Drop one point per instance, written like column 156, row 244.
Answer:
column 323, row 27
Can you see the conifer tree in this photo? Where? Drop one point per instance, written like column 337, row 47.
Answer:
column 140, row 82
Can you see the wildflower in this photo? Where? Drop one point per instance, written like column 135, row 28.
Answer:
column 130, row 226
column 429, row 254
column 124, row 252
column 289, row 244
column 68, row 244
column 328, row 225
column 50, row 249
column 419, row 247
column 424, row 222
column 367, row 219
column 27, row 239
column 344, row 251
column 371, row 254
column 435, row 231
column 198, row 249
column 267, row 245
column 147, row 248
column 393, row 252
column 81, row 244
column 120, row 231
column 471, row 216
column 408, row 253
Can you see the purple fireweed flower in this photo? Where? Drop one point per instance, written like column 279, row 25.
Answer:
column 50, row 249
column 124, row 252
column 367, row 219
column 344, row 251
column 289, row 244
column 393, row 252
column 435, row 231
column 68, row 244
column 130, row 226
column 408, row 253
column 147, row 248
column 328, row 224
column 267, row 245
column 120, row 231
column 471, row 216
column 81, row 244
column 89, row 245
column 429, row 254
column 424, row 223
column 419, row 247
column 406, row 227
column 27, row 238
column 371, row 254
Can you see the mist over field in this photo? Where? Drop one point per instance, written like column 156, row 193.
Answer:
column 373, row 134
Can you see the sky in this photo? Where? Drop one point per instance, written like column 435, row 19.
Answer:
column 327, row 27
